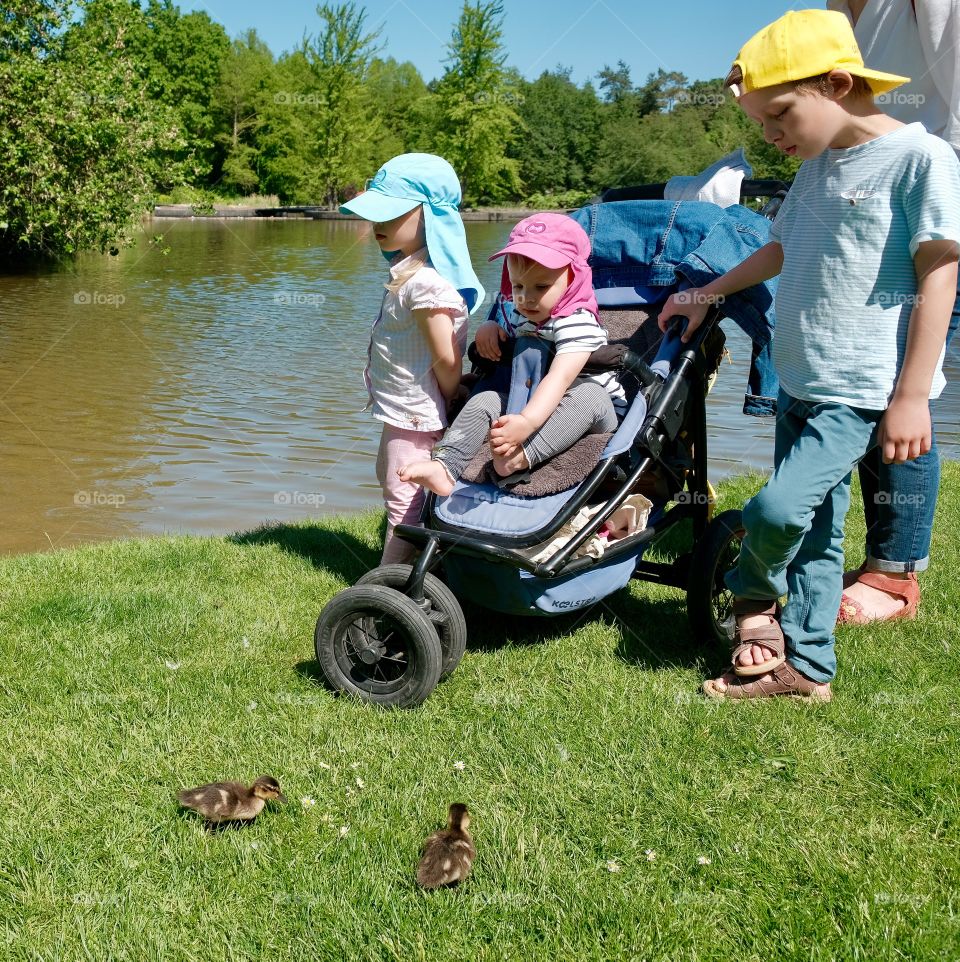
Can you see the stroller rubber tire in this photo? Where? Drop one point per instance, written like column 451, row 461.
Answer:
column 378, row 645
column 446, row 615
column 709, row 600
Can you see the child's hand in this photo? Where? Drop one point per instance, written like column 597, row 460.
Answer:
column 691, row 304
column 904, row 432
column 509, row 431
column 489, row 336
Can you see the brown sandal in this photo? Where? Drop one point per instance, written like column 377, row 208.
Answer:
column 783, row 681
column 769, row 636
column 853, row 613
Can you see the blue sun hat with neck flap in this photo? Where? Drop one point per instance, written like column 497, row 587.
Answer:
column 411, row 179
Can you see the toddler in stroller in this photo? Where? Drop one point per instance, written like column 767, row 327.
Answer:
column 391, row 637
column 547, row 275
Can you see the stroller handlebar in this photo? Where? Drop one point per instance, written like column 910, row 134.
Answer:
column 748, row 189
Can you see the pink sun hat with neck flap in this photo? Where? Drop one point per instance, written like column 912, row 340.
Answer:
column 555, row 241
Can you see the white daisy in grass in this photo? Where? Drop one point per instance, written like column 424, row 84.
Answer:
column 703, row 860
column 459, row 766
column 344, row 831
column 172, row 665
column 323, row 764
column 651, row 854
column 613, row 866
column 360, row 783
column 245, row 641
column 307, row 801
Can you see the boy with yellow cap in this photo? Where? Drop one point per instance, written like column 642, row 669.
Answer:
column 866, row 246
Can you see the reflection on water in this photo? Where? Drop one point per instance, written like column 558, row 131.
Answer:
column 219, row 385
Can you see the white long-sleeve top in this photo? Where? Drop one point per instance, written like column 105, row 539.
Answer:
column 925, row 47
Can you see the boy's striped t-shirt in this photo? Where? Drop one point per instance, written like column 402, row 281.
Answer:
column 850, row 227
column 580, row 332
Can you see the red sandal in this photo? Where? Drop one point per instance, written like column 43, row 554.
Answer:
column 768, row 636
column 852, row 611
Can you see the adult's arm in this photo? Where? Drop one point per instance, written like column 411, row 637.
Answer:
column 905, row 431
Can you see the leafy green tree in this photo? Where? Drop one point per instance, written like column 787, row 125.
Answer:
column 562, row 121
column 180, row 58
column 282, row 137
column 477, row 106
column 240, row 99
column 397, row 90
column 80, row 149
column 615, row 83
column 728, row 127
column 687, row 128
column 343, row 123
column 321, row 129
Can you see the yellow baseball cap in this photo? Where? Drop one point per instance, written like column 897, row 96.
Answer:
column 802, row 44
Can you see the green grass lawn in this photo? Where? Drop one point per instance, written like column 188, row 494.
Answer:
column 617, row 814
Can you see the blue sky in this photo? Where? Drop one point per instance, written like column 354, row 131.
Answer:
column 700, row 38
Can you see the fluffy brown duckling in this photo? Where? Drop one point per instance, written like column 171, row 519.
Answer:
column 448, row 854
column 230, row 801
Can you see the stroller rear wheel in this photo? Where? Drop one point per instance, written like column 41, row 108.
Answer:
column 378, row 645
column 709, row 600
column 444, row 610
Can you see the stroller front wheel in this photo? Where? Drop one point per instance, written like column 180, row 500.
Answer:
column 377, row 644
column 709, row 600
column 444, row 610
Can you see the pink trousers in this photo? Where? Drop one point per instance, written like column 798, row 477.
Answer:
column 403, row 500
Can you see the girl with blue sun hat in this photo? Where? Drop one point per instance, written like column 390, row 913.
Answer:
column 417, row 341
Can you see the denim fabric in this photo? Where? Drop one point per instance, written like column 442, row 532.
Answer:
column 794, row 526
column 654, row 243
column 899, row 501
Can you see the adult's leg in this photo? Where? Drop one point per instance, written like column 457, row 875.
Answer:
column 900, row 520
column 402, row 499
column 899, row 503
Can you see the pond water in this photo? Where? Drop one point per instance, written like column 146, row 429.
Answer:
column 212, row 381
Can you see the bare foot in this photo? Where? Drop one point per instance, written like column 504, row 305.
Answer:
column 510, row 465
column 877, row 604
column 430, row 474
column 757, row 654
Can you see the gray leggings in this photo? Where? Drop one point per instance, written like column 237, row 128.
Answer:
column 586, row 408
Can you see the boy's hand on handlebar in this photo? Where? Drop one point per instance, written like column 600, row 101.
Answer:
column 691, row 304
column 507, row 432
column 489, row 336
column 904, row 432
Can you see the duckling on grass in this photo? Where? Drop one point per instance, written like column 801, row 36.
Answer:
column 448, row 854
column 223, row 802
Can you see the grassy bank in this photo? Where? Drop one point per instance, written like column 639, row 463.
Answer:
column 617, row 814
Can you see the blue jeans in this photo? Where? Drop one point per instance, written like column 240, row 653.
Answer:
column 899, row 501
column 794, row 526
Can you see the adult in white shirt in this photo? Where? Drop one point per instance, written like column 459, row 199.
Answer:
column 920, row 40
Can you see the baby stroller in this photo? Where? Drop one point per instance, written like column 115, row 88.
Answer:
column 520, row 548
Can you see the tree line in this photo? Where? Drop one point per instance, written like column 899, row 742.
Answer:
column 106, row 105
